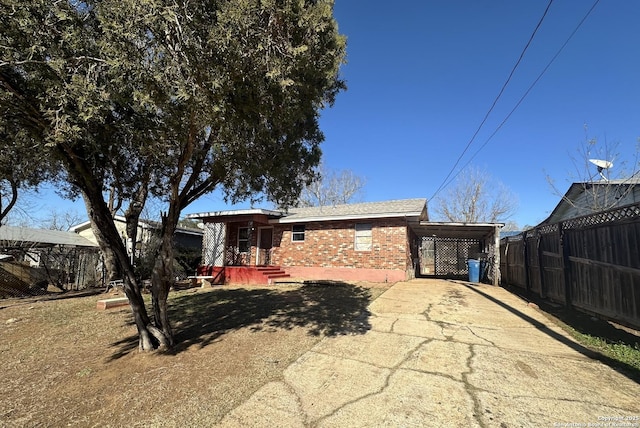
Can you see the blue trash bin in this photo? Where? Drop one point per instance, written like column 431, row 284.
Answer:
column 474, row 270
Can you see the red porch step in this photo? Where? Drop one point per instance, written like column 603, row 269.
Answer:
column 273, row 273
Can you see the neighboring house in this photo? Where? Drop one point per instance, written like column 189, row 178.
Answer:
column 591, row 197
column 371, row 241
column 43, row 256
column 26, row 237
column 184, row 237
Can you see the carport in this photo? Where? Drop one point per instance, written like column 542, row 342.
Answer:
column 441, row 250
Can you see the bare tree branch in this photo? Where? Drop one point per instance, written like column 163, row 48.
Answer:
column 332, row 188
column 476, row 198
column 601, row 189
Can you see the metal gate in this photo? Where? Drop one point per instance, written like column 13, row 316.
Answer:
column 446, row 257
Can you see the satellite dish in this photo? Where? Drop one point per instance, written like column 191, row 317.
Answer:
column 602, row 165
column 200, row 225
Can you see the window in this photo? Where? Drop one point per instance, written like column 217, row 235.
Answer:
column 297, row 233
column 243, row 239
column 363, row 237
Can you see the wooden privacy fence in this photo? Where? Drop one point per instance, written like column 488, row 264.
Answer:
column 591, row 263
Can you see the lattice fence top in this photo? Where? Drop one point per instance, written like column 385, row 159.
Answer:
column 628, row 212
column 545, row 229
column 548, row 228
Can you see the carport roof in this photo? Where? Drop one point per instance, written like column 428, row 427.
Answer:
column 455, row 230
column 11, row 236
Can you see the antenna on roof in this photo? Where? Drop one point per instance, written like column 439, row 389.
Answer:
column 602, row 165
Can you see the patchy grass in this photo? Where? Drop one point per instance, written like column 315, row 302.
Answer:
column 65, row 363
column 628, row 354
column 615, row 345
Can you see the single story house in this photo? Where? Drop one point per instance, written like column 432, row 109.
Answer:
column 584, row 198
column 370, row 241
column 184, row 237
column 32, row 258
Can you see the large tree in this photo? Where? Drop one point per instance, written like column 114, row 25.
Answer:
column 475, row 197
column 171, row 99
column 20, row 171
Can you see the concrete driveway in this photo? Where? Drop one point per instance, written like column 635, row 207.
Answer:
column 443, row 353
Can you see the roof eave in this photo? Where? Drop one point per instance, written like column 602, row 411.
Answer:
column 448, row 223
column 254, row 211
column 409, row 216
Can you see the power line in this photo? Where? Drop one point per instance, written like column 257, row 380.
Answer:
column 544, row 70
column 495, row 101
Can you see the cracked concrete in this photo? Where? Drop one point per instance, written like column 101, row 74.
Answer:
column 443, row 353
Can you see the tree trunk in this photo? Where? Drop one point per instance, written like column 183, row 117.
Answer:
column 151, row 335
column 12, row 201
column 107, row 234
column 103, row 225
column 132, row 214
column 109, row 259
column 162, row 278
column 140, row 317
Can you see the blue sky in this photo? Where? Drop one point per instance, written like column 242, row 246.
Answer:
column 421, row 76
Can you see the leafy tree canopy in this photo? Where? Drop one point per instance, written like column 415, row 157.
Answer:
column 168, row 98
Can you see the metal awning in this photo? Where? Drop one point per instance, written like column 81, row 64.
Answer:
column 21, row 237
column 456, row 230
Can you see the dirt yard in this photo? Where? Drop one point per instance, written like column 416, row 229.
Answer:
column 64, row 363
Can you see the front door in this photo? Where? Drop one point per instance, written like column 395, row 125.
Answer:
column 265, row 242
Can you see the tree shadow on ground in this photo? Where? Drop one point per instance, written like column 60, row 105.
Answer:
column 328, row 309
column 580, row 322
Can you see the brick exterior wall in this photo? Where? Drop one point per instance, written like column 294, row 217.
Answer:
column 328, row 250
column 331, row 245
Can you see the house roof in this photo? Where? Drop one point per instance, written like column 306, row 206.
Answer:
column 11, row 236
column 145, row 224
column 251, row 211
column 565, row 205
column 509, row 233
column 408, row 208
column 412, row 209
